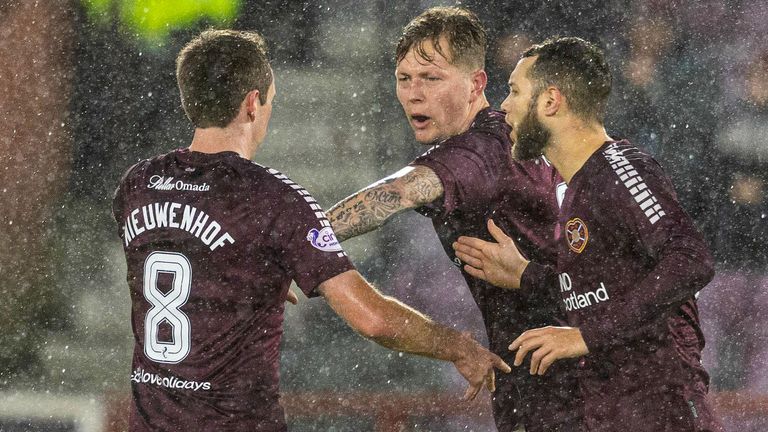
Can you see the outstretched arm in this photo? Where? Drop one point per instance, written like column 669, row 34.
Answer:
column 394, row 325
column 371, row 207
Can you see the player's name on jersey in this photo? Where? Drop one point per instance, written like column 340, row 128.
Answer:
column 174, row 215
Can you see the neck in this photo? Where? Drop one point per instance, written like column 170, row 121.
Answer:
column 476, row 106
column 571, row 147
column 216, row 140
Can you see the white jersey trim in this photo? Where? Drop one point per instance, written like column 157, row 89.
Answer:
column 310, row 200
column 634, row 183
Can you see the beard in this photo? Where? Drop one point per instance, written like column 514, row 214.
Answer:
column 532, row 137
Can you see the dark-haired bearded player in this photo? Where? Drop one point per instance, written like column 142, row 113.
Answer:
column 466, row 177
column 629, row 263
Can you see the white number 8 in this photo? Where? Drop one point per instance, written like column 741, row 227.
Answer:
column 165, row 307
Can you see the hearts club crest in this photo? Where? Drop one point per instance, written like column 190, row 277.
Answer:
column 576, row 234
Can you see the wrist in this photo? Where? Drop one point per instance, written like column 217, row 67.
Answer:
column 457, row 347
column 517, row 282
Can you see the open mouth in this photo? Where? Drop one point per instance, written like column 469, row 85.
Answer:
column 420, row 121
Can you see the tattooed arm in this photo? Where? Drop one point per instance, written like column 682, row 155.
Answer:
column 370, row 208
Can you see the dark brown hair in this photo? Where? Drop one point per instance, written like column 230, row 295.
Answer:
column 216, row 70
column 462, row 29
column 576, row 67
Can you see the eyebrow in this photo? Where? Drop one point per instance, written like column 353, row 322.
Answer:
column 437, row 70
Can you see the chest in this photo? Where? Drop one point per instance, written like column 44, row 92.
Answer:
column 596, row 253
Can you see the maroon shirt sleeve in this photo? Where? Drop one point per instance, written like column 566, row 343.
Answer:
column 539, row 281
column 307, row 245
column 665, row 235
column 469, row 167
column 119, row 196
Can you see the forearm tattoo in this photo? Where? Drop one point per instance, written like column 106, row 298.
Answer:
column 423, row 187
column 371, row 207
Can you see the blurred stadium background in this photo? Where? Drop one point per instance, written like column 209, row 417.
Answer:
column 87, row 88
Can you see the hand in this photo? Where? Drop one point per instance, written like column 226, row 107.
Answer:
column 291, row 297
column 548, row 344
column 500, row 263
column 477, row 365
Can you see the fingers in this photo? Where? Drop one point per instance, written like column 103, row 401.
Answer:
column 475, row 272
column 489, row 378
column 497, row 233
column 545, row 347
column 525, row 343
column 292, row 297
column 472, row 260
column 491, row 381
column 500, row 364
column 466, row 249
column 472, row 391
column 547, row 361
column 473, row 243
column 537, row 357
column 525, row 336
column 515, row 345
column 523, row 351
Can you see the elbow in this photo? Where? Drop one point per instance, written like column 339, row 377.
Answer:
column 374, row 328
column 702, row 271
column 708, row 268
column 695, row 262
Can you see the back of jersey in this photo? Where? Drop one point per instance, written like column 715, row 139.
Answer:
column 209, row 241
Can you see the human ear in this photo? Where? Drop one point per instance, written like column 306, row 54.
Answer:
column 553, row 100
column 479, row 82
column 252, row 104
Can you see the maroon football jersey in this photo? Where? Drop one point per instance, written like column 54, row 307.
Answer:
column 212, row 242
column 481, row 181
column 629, row 265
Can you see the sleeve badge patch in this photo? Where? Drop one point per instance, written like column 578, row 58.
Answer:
column 324, row 240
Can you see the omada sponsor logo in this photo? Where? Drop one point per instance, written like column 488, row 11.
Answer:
column 158, row 182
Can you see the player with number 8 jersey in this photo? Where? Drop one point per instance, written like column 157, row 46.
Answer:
column 208, row 315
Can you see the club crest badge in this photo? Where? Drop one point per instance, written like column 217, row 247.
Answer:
column 324, row 239
column 576, row 234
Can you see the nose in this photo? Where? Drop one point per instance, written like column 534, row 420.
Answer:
column 415, row 91
column 505, row 105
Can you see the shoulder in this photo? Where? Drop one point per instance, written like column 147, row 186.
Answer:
column 133, row 175
column 260, row 180
column 283, row 189
column 634, row 176
column 630, row 164
column 488, row 128
column 484, row 143
column 138, row 169
column 538, row 169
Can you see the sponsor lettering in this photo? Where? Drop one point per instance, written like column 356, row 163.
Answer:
column 140, row 376
column 574, row 301
column 158, row 182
